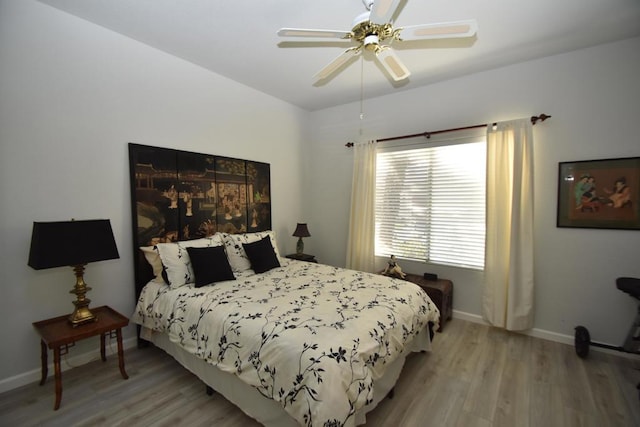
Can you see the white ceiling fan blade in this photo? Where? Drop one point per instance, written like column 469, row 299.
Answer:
column 334, row 65
column 382, row 11
column 322, row 34
column 444, row 30
column 392, row 64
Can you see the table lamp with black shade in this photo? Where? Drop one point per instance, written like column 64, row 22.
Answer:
column 74, row 244
column 301, row 231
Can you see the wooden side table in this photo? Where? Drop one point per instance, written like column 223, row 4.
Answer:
column 440, row 291
column 303, row 257
column 58, row 335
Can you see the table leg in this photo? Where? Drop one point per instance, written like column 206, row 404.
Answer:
column 43, row 358
column 103, row 352
column 56, row 365
column 121, row 354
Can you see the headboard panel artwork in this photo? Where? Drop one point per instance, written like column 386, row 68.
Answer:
column 179, row 195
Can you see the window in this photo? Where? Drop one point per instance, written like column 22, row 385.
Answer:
column 430, row 204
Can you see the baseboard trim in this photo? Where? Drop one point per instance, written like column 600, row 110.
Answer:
column 537, row 333
column 70, row 362
column 545, row 335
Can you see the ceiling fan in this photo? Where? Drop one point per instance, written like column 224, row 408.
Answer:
column 373, row 31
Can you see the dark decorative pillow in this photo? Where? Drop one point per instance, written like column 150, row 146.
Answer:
column 210, row 265
column 261, row 255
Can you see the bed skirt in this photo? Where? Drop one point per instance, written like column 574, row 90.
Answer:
column 266, row 411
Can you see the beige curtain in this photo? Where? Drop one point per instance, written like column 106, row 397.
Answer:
column 508, row 289
column 361, row 242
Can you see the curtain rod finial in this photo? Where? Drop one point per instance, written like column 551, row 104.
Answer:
column 542, row 117
column 349, row 144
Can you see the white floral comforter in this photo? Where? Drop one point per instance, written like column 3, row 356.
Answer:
column 309, row 336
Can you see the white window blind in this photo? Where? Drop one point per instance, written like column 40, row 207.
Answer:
column 430, row 204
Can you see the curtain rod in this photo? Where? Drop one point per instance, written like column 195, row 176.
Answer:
column 534, row 119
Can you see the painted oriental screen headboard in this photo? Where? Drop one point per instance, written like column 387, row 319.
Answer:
column 179, row 195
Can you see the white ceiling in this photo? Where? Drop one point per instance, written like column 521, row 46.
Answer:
column 237, row 38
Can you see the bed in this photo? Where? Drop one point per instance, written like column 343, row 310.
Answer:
column 288, row 342
column 297, row 344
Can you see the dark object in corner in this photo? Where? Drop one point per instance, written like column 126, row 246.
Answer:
column 631, row 286
column 431, row 276
column 582, row 340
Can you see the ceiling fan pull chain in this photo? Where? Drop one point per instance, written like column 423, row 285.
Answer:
column 361, row 92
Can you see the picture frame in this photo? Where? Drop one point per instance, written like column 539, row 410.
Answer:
column 599, row 194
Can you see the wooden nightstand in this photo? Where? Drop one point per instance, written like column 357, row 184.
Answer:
column 58, row 335
column 441, row 293
column 303, row 257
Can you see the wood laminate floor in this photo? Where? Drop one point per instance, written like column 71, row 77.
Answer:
column 476, row 376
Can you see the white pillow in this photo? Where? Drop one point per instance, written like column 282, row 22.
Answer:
column 153, row 258
column 235, row 252
column 176, row 262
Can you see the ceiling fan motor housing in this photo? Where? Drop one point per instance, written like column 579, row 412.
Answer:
column 361, row 19
column 365, row 29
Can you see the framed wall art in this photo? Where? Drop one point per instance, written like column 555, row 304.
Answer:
column 599, row 194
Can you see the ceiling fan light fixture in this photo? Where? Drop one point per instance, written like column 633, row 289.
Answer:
column 372, row 42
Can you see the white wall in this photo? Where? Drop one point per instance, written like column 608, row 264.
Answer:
column 593, row 96
column 72, row 95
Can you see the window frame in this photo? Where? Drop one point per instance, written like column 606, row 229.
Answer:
column 461, row 138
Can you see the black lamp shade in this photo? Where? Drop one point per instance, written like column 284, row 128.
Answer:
column 301, row 231
column 71, row 243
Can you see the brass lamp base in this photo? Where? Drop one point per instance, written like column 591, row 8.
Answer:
column 81, row 314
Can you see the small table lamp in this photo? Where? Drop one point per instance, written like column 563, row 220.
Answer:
column 75, row 244
column 301, row 231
